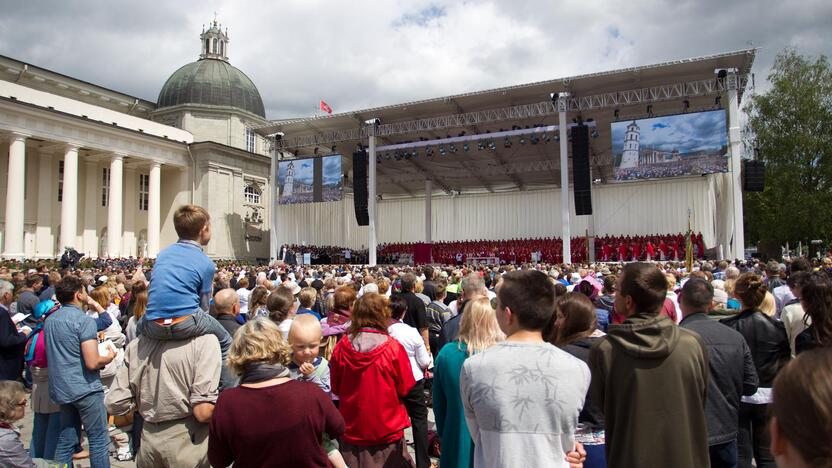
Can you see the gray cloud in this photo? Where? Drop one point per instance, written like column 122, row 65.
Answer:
column 361, row 53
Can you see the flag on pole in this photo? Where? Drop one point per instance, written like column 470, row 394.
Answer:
column 325, row 107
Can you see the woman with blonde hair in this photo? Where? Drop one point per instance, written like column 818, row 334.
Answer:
column 477, row 331
column 270, row 419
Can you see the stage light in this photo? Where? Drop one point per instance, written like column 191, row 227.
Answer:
column 596, row 180
column 507, row 143
column 378, row 159
column 617, row 114
column 685, row 105
column 397, row 156
column 492, row 146
column 481, row 145
column 388, row 156
column 522, row 139
column 722, row 74
column 315, row 151
column 429, row 152
column 465, row 146
column 452, row 148
column 547, row 138
column 650, row 110
column 534, row 139
column 595, row 133
column 557, row 136
column 441, row 150
column 718, row 101
column 415, row 153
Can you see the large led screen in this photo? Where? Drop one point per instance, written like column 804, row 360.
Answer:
column 670, row 146
column 310, row 180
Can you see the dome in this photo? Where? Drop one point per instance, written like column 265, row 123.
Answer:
column 212, row 82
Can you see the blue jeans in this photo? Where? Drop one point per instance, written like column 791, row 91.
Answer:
column 724, row 455
column 45, row 432
column 596, row 456
column 89, row 411
column 198, row 324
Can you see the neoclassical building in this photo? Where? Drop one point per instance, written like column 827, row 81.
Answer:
column 102, row 171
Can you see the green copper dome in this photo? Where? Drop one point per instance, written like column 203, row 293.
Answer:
column 211, row 82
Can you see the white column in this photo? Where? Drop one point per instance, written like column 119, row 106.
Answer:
column 13, row 247
column 69, row 204
column 737, row 249
column 563, row 100
column 371, row 195
column 428, row 214
column 92, row 200
column 114, row 207
column 154, row 209
column 46, row 199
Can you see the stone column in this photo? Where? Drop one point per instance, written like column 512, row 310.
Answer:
column 69, row 205
column 114, row 207
column 154, row 209
column 92, row 201
column 45, row 241
column 13, row 247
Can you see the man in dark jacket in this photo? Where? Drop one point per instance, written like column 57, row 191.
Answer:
column 416, row 315
column 650, row 377
column 11, row 341
column 732, row 373
column 227, row 307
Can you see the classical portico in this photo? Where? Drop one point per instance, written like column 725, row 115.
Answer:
column 77, row 173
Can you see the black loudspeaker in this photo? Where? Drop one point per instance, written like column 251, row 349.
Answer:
column 754, row 176
column 359, row 187
column 581, row 182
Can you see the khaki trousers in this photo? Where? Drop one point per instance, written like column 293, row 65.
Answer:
column 182, row 443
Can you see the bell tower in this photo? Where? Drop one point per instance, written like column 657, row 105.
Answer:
column 214, row 41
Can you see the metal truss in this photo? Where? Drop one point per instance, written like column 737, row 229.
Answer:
column 653, row 94
column 507, row 169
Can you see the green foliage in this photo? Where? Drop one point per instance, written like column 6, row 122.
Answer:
column 792, row 123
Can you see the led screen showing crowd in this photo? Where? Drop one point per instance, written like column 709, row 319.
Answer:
column 670, row 146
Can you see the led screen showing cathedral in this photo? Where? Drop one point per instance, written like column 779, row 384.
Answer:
column 670, row 146
column 310, row 180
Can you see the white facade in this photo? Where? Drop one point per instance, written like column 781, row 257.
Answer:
column 86, row 167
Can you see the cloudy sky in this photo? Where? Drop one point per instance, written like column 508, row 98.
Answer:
column 357, row 54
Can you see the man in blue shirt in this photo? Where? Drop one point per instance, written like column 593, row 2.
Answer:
column 74, row 383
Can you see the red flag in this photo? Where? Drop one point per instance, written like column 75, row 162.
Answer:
column 325, row 107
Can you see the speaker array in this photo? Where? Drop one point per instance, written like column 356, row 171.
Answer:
column 581, row 179
column 359, row 187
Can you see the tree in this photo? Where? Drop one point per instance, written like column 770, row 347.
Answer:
column 792, row 124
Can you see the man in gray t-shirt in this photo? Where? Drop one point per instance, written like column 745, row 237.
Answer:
column 28, row 299
column 522, row 397
column 74, row 384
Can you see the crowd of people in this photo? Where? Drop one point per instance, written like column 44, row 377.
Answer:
column 550, row 250
column 190, row 362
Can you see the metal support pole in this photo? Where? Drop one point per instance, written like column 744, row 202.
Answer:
column 428, row 215
column 371, row 195
column 563, row 102
column 737, row 249
column 274, row 248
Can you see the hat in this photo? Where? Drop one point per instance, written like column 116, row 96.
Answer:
column 574, row 278
column 291, row 286
column 443, row 274
column 102, row 279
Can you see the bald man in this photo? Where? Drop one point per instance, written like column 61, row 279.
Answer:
column 227, row 308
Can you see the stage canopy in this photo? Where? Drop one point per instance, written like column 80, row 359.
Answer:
column 687, row 85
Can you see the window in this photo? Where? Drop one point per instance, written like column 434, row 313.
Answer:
column 250, row 140
column 60, row 181
column 144, row 191
column 252, row 194
column 105, row 186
